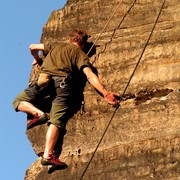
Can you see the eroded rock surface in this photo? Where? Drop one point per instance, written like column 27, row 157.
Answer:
column 143, row 139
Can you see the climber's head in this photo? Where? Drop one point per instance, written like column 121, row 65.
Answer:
column 78, row 36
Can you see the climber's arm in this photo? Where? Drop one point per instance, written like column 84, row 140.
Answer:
column 110, row 97
column 34, row 49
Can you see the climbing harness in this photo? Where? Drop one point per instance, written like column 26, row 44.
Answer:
column 124, row 90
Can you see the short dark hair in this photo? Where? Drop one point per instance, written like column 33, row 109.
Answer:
column 79, row 35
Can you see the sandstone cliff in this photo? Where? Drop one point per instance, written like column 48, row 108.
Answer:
column 143, row 139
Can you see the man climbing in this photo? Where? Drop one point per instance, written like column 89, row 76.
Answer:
column 59, row 66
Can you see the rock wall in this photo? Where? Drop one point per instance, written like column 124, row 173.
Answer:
column 143, row 138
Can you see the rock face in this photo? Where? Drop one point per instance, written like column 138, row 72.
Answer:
column 143, row 138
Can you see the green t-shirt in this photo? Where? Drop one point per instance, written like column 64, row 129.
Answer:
column 63, row 58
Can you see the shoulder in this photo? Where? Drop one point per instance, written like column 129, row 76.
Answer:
column 50, row 45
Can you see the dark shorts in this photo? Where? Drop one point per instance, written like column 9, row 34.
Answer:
column 60, row 103
column 20, row 97
column 30, row 94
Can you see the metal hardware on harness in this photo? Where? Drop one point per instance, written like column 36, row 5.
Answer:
column 62, row 83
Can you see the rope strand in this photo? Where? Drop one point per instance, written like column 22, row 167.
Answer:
column 124, row 90
column 104, row 27
column 137, row 64
column 114, row 30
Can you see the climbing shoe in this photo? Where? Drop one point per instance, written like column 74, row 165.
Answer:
column 52, row 160
column 37, row 120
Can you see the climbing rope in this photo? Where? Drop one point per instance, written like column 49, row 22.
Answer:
column 114, row 30
column 104, row 27
column 124, row 90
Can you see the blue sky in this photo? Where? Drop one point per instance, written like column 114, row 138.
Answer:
column 21, row 24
